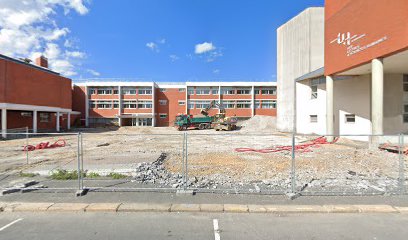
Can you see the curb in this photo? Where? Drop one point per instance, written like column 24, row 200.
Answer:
column 204, row 208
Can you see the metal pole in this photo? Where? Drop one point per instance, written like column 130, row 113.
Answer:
column 27, row 145
column 186, row 165
column 82, row 161
column 293, row 169
column 183, row 157
column 401, row 164
column 79, row 162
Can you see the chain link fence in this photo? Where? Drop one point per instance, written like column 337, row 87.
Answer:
column 217, row 162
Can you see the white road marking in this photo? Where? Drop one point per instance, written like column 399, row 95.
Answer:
column 216, row 230
column 8, row 225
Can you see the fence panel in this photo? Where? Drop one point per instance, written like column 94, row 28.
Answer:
column 348, row 165
column 239, row 163
column 127, row 161
column 40, row 157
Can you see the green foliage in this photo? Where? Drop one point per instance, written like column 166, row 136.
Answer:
column 117, row 175
column 65, row 175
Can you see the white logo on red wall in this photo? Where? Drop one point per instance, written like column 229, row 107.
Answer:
column 350, row 40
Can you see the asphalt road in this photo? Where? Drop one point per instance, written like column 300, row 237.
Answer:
column 51, row 226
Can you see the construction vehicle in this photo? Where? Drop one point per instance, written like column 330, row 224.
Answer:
column 219, row 121
column 183, row 122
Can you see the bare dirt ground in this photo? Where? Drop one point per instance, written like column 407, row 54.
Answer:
column 212, row 158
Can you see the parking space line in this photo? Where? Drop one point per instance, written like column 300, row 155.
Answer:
column 216, row 230
column 8, row 225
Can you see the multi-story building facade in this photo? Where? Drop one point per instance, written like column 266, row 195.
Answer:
column 157, row 104
column 33, row 96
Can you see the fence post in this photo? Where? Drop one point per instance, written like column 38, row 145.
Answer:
column 79, row 162
column 401, row 155
column 82, row 161
column 293, row 166
column 26, row 145
column 186, row 164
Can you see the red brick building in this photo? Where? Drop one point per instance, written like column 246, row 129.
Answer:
column 33, row 96
column 157, row 104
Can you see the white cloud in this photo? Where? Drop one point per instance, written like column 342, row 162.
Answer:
column 27, row 27
column 174, row 57
column 153, row 46
column 93, row 72
column 75, row 54
column 204, row 47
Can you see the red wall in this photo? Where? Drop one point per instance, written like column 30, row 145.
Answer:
column 380, row 20
column 172, row 109
column 22, row 84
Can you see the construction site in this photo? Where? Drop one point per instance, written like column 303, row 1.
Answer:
column 240, row 160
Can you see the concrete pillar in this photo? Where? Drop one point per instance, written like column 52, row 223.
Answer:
column 120, row 106
column 4, row 123
column 153, row 106
column 186, row 99
column 329, row 106
column 377, row 96
column 86, row 107
column 68, row 121
column 253, row 101
column 58, row 122
column 219, row 98
column 35, row 121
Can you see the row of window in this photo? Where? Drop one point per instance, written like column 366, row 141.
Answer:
column 230, row 91
column 232, row 104
column 349, row 118
column 126, row 104
column 125, row 91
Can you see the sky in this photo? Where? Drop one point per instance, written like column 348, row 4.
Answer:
column 152, row 40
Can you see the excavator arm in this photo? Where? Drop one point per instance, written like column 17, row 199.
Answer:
column 213, row 104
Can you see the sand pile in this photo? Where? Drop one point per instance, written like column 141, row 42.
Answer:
column 259, row 123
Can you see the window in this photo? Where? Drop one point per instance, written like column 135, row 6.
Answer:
column 115, row 91
column 129, row 91
column 191, row 104
column 145, row 91
column 268, row 91
column 257, row 91
column 92, row 91
column 228, row 91
column 163, row 89
column 350, row 118
column 405, row 115
column 268, row 104
column 243, row 104
column 313, row 88
column 244, row 91
column 26, row 114
column 144, row 104
column 257, row 104
column 130, row 104
column 182, row 89
column 92, row 104
column 45, row 117
column 202, row 91
column 313, row 118
column 104, row 104
column 202, row 104
column 181, row 103
column 163, row 102
column 405, row 83
column 104, row 91
column 116, row 104
column 214, row 91
column 229, row 104
column 163, row 115
column 190, row 91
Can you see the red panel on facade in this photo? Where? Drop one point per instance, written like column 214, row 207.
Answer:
column 357, row 31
